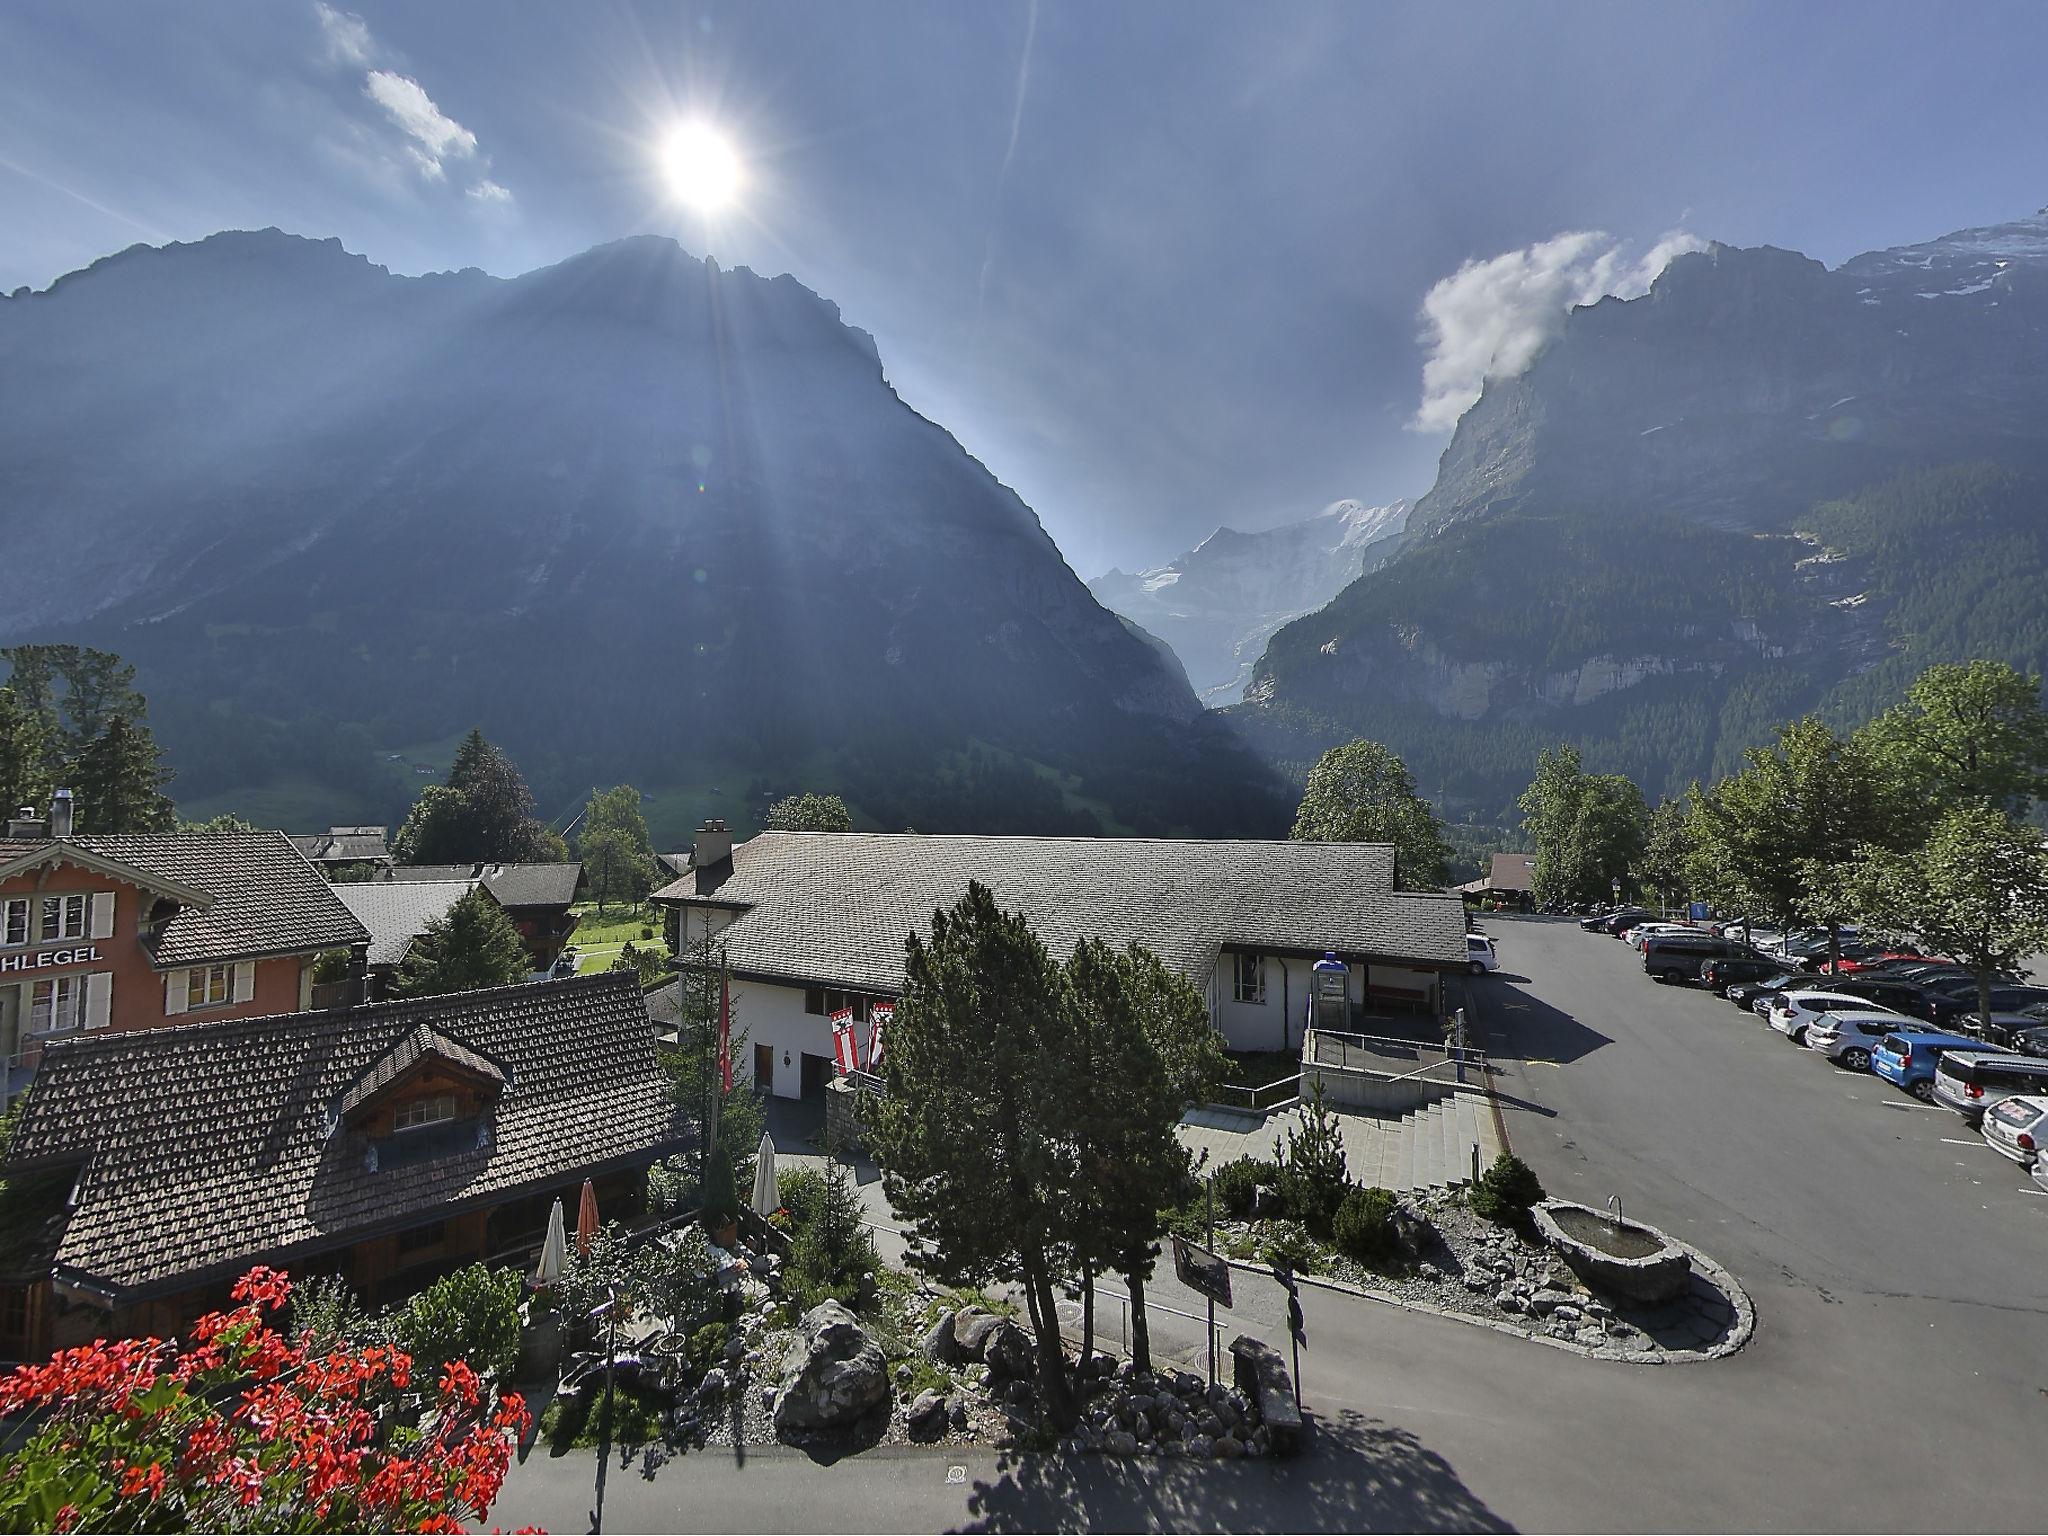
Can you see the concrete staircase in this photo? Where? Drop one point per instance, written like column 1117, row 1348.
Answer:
column 1431, row 1148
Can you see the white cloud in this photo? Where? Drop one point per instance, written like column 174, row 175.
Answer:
column 1490, row 318
column 436, row 136
column 347, row 35
column 488, row 191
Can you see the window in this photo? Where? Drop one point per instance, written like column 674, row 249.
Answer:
column 14, row 922
column 209, row 986
column 436, row 1109
column 814, row 999
column 64, row 917
column 57, row 1005
column 1251, row 978
column 818, row 1000
column 413, row 1239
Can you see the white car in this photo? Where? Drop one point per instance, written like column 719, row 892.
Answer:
column 1791, row 1012
column 1643, row 931
column 1850, row 1035
column 1480, row 955
column 2013, row 1128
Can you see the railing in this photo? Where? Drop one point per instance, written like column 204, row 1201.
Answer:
column 1263, row 1099
column 864, row 1082
column 1395, row 1061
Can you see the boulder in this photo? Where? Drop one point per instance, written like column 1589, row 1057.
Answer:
column 971, row 1328
column 1545, row 1302
column 1260, row 1372
column 1228, row 1448
column 1008, row 1350
column 712, row 1387
column 833, row 1374
column 1120, row 1442
column 927, row 1417
column 956, row 1411
column 938, row 1345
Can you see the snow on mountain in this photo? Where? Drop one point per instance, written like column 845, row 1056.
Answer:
column 1217, row 605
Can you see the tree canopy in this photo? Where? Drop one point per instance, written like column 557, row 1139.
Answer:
column 809, row 813
column 1362, row 793
column 1588, row 830
column 71, row 717
column 471, row 946
column 617, row 855
column 1970, row 731
column 482, row 815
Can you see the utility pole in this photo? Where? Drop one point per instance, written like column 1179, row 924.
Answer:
column 1210, row 1185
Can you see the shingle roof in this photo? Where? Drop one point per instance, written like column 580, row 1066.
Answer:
column 1513, row 872
column 345, row 845
column 417, row 873
column 422, row 1041
column 207, row 1146
column 397, row 911
column 267, row 900
column 532, row 885
column 835, row 907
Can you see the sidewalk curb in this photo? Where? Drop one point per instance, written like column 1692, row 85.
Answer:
column 1738, row 1336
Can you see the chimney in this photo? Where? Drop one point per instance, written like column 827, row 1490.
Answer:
column 60, row 813
column 27, row 823
column 713, row 845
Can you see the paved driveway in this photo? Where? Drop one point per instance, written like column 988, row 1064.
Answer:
column 1898, row 1379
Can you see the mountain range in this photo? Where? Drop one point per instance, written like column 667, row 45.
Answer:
column 1763, row 487
column 1219, row 603
column 639, row 518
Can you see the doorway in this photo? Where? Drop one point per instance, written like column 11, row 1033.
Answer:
column 817, row 1072
column 764, row 1068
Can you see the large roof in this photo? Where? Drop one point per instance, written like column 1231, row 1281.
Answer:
column 345, row 845
column 265, row 899
column 205, row 1147
column 514, row 885
column 836, row 907
column 1513, row 872
column 397, row 911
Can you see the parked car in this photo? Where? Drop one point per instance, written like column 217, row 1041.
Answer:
column 1753, row 995
column 1680, row 956
column 2013, row 1126
column 1970, row 1082
column 1901, row 997
column 1624, row 917
column 1480, row 955
column 1792, row 1012
column 1849, row 1037
column 2008, row 996
column 1869, row 959
column 1642, row 933
column 1720, row 975
column 1906, row 1058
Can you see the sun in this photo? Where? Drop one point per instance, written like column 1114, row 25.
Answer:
column 700, row 166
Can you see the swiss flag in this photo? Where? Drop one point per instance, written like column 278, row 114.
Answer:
column 884, row 1015
column 844, row 1049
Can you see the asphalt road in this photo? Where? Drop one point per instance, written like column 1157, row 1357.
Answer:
column 1898, row 1378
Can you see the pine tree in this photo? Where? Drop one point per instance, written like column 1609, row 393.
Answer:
column 27, row 747
column 471, row 946
column 119, row 782
column 482, row 815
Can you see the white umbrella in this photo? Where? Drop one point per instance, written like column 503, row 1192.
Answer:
column 554, row 1249
column 766, row 1197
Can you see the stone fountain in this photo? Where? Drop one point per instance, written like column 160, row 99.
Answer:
column 1623, row 1258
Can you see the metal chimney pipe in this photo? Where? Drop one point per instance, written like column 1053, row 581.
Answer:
column 60, row 813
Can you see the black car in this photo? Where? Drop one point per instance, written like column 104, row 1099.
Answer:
column 1743, row 993
column 1720, row 975
column 1680, row 956
column 1614, row 922
column 2006, row 997
column 1902, row 997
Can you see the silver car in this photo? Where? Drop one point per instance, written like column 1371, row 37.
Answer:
column 1849, row 1036
column 2013, row 1127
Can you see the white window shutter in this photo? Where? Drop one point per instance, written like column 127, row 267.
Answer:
column 245, row 981
column 102, row 915
column 177, row 991
column 99, row 999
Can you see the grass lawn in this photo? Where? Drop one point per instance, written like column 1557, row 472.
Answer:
column 615, row 926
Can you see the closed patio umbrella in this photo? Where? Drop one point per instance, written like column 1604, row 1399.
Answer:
column 586, row 1220
column 554, row 1250
column 766, row 1196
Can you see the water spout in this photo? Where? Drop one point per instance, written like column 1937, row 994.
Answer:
column 1614, row 1211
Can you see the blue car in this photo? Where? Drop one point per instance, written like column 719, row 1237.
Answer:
column 1907, row 1057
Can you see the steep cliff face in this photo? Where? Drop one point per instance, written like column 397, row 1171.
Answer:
column 639, row 517
column 1219, row 603
column 1619, row 548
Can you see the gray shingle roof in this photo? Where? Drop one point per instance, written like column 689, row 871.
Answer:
column 208, row 1146
column 532, row 885
column 267, row 900
column 423, row 872
column 397, row 911
column 836, row 907
column 344, row 845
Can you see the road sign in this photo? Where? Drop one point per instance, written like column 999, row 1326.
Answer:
column 1201, row 1271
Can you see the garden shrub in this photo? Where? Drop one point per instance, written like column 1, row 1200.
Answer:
column 833, row 1252
column 471, row 1315
column 1288, row 1246
column 1237, row 1185
column 1364, row 1228
column 707, row 1348
column 802, row 1191
column 1506, row 1190
column 1313, row 1179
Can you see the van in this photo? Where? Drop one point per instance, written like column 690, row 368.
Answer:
column 1970, row 1082
column 1679, row 956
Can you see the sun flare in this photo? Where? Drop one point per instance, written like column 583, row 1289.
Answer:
column 700, row 166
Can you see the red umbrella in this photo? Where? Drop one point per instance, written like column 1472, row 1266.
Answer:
column 586, row 1220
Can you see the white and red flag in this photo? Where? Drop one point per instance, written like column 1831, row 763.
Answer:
column 884, row 1015
column 845, row 1049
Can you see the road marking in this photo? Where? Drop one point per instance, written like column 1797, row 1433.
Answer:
column 1952, row 1142
column 956, row 1474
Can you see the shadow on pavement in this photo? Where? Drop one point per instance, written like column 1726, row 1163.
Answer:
column 1519, row 1026
column 1359, row 1475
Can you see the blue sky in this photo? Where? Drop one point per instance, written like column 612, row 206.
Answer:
column 1160, row 266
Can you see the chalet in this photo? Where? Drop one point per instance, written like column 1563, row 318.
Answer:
column 130, row 931
column 388, row 1143
column 344, row 848
column 810, row 923
column 1511, row 877
column 395, row 913
column 537, row 897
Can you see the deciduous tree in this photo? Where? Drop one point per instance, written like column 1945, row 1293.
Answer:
column 1969, row 731
column 1588, row 830
column 618, row 857
column 809, row 813
column 1363, row 793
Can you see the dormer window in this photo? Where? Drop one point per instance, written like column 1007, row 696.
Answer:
column 436, row 1109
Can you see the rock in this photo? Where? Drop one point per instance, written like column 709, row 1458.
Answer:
column 1120, row 1442
column 1567, row 1314
column 971, row 1328
column 1210, row 1424
column 1228, row 1448
column 1508, row 1301
column 735, row 1348
column 927, row 1417
column 1100, row 1365
column 713, row 1386
column 903, row 1374
column 1259, row 1443
column 1545, row 1302
column 1197, row 1445
column 937, row 1344
column 956, row 1411
column 832, row 1375
column 1008, row 1350
column 1475, row 1282
column 1592, row 1338
column 1140, row 1404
